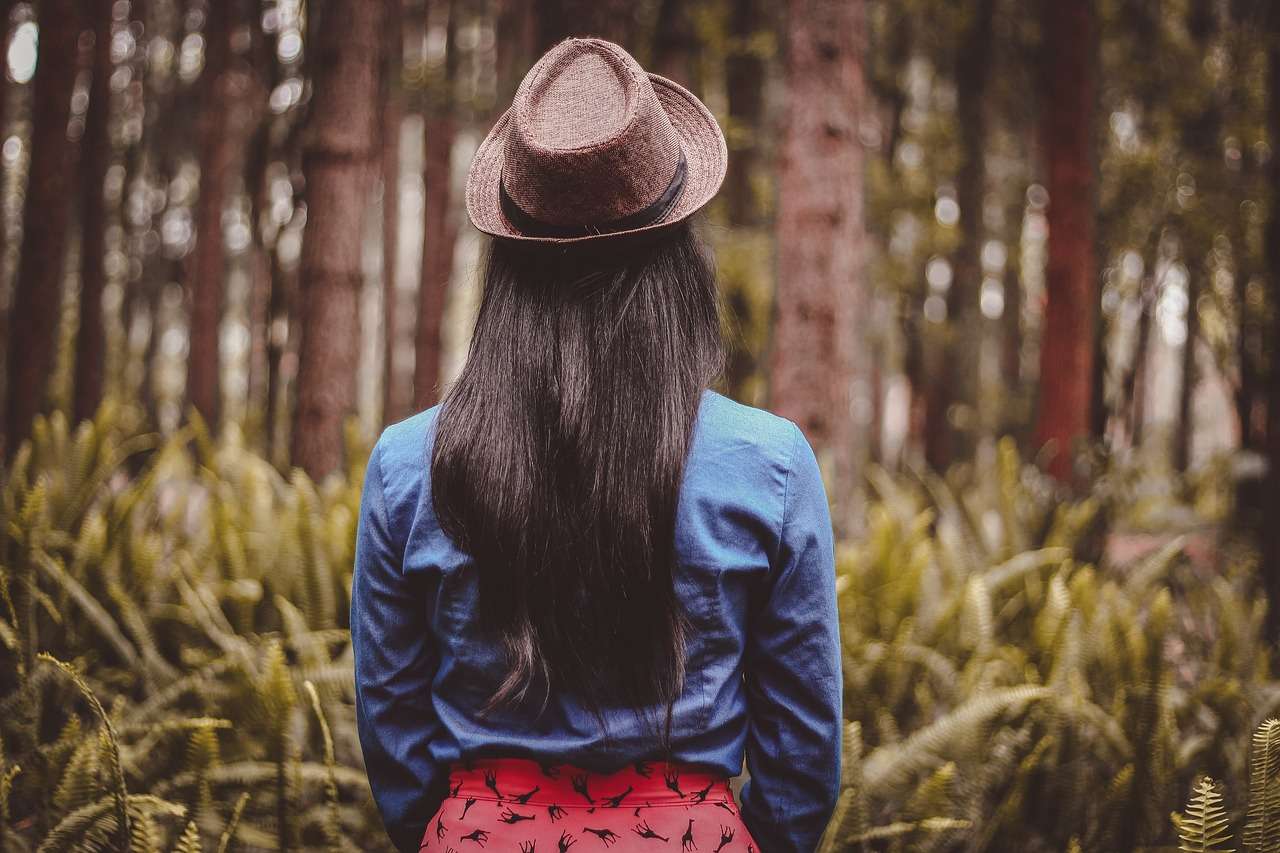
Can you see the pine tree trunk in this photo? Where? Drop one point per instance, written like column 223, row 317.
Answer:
column 1271, row 508
column 95, row 154
column 259, row 153
column 338, row 166
column 559, row 19
column 675, row 44
column 515, row 33
column 821, row 297
column 744, row 82
column 439, row 232
column 1066, row 350
column 1202, row 142
column 392, row 116
column 958, row 379
column 209, row 260
column 37, row 297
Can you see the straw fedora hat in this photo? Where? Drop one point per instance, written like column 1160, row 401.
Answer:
column 593, row 146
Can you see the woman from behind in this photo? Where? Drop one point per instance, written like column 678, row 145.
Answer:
column 586, row 585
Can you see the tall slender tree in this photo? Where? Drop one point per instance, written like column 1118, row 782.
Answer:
column 1067, row 346
column 209, row 264
column 1271, row 488
column 95, row 159
column 958, row 377
column 821, row 297
column 1202, row 142
column 37, row 295
column 675, row 43
column 392, row 118
column 439, row 230
column 515, row 33
column 746, row 203
column 559, row 19
column 338, row 166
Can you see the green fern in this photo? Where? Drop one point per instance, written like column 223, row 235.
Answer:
column 1203, row 827
column 1262, row 829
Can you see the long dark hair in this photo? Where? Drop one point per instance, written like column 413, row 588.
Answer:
column 559, row 454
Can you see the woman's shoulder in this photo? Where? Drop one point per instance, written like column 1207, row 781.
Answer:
column 735, row 443
column 403, row 456
column 725, row 422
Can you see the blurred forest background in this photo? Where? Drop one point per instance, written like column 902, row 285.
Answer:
column 1014, row 268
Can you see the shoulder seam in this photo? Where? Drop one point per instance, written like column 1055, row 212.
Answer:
column 786, row 486
column 375, row 460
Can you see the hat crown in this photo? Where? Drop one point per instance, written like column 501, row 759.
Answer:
column 589, row 142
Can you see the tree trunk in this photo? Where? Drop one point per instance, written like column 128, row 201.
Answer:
column 95, row 154
column 338, row 166
column 744, row 82
column 1202, row 142
column 821, row 238
column 439, row 232
column 1066, row 350
column 958, row 380
column 675, row 44
column 1271, row 508
column 559, row 19
column 392, row 117
column 512, row 52
column 37, row 297
column 209, row 261
column 6, row 30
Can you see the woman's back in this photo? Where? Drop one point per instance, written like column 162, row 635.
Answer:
column 754, row 574
column 583, row 564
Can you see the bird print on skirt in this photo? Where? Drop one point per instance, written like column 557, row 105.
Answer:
column 512, row 804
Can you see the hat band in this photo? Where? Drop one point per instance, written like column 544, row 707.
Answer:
column 533, row 227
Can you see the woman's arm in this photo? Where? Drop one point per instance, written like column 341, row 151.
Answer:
column 395, row 661
column 793, row 678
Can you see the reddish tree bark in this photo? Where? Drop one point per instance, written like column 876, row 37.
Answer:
column 95, row 154
column 338, row 165
column 1066, row 350
column 820, row 235
column 392, row 116
column 209, row 259
column 37, row 295
column 439, row 230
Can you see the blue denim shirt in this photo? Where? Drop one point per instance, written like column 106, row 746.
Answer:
column 756, row 576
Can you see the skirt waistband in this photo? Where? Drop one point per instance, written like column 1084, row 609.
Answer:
column 525, row 781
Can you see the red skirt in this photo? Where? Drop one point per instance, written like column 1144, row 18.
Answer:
column 515, row 804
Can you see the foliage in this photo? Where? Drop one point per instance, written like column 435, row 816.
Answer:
column 177, row 674
column 193, row 600
column 1003, row 675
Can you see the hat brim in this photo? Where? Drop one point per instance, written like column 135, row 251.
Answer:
column 705, row 152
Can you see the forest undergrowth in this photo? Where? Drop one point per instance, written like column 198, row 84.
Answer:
column 175, row 670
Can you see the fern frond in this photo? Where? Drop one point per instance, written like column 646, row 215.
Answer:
column 891, row 765
column 1262, row 827
column 229, row 834
column 333, row 825
column 190, row 840
column 119, row 793
column 1203, row 826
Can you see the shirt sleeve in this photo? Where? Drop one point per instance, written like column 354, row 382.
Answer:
column 395, row 661
column 793, row 678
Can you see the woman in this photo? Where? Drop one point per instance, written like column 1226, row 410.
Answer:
column 586, row 584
